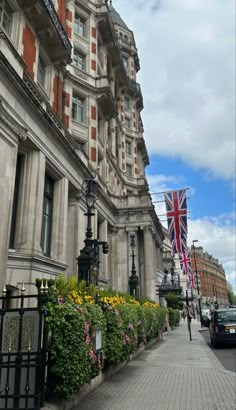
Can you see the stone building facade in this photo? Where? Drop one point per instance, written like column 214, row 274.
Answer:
column 213, row 285
column 70, row 110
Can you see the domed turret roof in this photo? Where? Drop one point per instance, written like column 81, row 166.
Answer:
column 116, row 17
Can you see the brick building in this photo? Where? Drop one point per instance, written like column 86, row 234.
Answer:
column 70, row 109
column 213, row 286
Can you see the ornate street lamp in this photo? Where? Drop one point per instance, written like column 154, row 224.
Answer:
column 196, row 273
column 133, row 279
column 88, row 258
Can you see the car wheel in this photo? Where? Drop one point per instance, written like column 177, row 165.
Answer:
column 215, row 344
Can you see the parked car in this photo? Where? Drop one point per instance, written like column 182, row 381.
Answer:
column 223, row 326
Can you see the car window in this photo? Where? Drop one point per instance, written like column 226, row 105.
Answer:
column 227, row 316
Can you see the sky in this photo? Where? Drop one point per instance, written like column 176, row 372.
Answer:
column 187, row 57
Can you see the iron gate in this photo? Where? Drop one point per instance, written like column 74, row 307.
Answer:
column 23, row 352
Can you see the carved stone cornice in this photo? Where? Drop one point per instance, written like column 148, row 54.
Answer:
column 11, row 121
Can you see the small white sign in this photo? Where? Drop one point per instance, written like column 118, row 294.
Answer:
column 232, row 330
column 98, row 339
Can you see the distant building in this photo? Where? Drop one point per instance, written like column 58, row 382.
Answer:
column 212, row 280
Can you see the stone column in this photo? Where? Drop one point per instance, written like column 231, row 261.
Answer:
column 122, row 262
column 28, row 232
column 149, row 268
column 60, row 212
column 112, row 258
column 8, row 155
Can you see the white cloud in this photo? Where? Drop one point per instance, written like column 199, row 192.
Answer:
column 215, row 234
column 218, row 239
column 187, row 51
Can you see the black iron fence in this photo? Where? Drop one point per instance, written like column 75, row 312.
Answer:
column 23, row 352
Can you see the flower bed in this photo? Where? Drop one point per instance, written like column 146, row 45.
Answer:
column 71, row 317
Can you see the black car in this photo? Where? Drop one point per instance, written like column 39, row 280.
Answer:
column 223, row 326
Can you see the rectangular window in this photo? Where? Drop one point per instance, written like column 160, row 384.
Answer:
column 128, row 148
column 15, row 201
column 78, row 108
column 5, row 15
column 47, row 216
column 41, row 75
column 126, row 62
column 79, row 25
column 128, row 170
column 79, row 60
column 127, row 122
column 127, row 104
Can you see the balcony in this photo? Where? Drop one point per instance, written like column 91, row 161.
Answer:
column 170, row 284
column 135, row 89
column 49, row 29
column 105, row 99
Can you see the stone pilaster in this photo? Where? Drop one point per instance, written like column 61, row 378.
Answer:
column 60, row 211
column 122, row 262
column 8, row 155
column 149, row 268
column 29, row 226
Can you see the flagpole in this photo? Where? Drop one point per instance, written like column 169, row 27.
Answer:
column 166, row 192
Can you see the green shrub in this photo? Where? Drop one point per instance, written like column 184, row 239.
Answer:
column 174, row 317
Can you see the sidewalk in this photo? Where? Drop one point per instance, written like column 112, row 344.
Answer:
column 174, row 374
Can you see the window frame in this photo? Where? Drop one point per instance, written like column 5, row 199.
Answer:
column 47, row 218
column 128, row 148
column 127, row 122
column 125, row 60
column 130, row 173
column 77, row 24
column 4, row 5
column 43, row 73
column 80, row 108
column 16, row 195
column 76, row 62
column 127, row 103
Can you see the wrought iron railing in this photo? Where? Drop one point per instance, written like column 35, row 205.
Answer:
column 23, row 353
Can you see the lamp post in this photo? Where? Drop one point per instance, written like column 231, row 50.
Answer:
column 133, row 279
column 87, row 260
column 195, row 267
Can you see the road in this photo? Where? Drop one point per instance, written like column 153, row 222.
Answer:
column 225, row 354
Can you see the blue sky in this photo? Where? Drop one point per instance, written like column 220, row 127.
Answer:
column 187, row 56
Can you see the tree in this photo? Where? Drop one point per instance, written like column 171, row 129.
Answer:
column 173, row 301
column 231, row 294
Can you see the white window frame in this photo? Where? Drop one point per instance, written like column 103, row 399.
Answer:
column 80, row 25
column 6, row 12
column 128, row 148
column 76, row 61
column 78, row 106
column 126, row 63
column 130, row 172
column 127, row 103
column 127, row 122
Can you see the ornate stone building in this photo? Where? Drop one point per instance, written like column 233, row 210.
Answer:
column 70, row 110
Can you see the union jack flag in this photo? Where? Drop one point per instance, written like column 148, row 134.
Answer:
column 176, row 211
column 191, row 278
column 185, row 261
column 179, row 243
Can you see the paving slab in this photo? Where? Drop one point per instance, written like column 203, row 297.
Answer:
column 174, row 374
